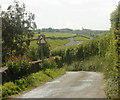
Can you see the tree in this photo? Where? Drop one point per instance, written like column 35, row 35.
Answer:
column 17, row 26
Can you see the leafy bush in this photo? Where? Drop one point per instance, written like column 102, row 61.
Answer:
column 49, row 63
column 34, row 53
column 112, row 69
column 94, row 63
column 18, row 66
column 85, row 50
column 59, row 61
column 9, row 89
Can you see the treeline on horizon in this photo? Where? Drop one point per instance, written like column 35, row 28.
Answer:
column 68, row 30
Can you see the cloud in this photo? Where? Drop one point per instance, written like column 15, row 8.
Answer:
column 93, row 14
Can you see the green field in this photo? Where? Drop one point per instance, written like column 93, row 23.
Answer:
column 80, row 39
column 56, row 35
column 53, row 43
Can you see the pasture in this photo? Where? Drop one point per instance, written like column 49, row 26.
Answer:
column 55, row 35
column 59, row 39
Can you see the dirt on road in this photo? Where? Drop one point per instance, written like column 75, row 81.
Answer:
column 79, row 84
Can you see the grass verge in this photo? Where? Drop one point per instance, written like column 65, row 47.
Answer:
column 94, row 63
column 30, row 81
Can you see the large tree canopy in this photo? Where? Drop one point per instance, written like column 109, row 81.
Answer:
column 17, row 26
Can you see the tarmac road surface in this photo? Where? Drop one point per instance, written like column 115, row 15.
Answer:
column 72, row 42
column 79, row 84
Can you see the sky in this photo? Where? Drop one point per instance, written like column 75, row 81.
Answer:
column 74, row 14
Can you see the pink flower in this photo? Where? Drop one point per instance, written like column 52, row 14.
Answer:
column 28, row 58
column 19, row 55
column 14, row 57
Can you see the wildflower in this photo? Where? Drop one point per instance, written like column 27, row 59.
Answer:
column 28, row 58
column 19, row 55
column 24, row 57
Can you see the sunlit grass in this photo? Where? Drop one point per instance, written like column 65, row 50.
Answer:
column 94, row 63
column 80, row 39
column 56, row 35
column 53, row 43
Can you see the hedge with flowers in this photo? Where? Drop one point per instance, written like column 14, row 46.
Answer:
column 21, row 66
column 18, row 66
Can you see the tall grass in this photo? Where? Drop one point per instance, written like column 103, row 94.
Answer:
column 94, row 63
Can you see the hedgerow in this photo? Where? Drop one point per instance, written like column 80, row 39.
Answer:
column 107, row 47
column 84, row 50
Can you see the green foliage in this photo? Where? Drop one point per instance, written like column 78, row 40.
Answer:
column 49, row 63
column 93, row 63
column 59, row 61
column 100, row 54
column 89, row 32
column 29, row 81
column 34, row 53
column 16, row 27
column 55, row 35
column 85, row 50
column 54, row 72
column 112, row 68
column 9, row 89
column 18, row 66
column 56, row 30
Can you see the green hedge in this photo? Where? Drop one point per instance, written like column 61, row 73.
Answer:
column 85, row 50
column 93, row 63
column 107, row 47
column 27, row 82
column 112, row 69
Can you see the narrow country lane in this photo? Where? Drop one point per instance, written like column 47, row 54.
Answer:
column 72, row 42
column 80, row 84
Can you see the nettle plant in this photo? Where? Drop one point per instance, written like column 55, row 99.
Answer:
column 18, row 65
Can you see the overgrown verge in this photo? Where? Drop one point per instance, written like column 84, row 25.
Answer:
column 106, row 49
column 30, row 81
column 100, row 54
column 17, row 67
column 93, row 63
column 85, row 50
column 24, row 77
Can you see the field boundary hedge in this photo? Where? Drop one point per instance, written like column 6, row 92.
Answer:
column 36, row 66
column 105, row 47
